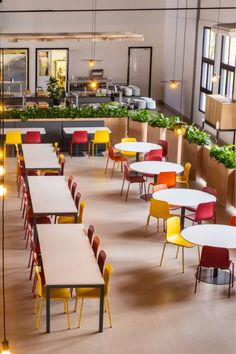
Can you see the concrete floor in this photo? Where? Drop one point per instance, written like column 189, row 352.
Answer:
column 154, row 309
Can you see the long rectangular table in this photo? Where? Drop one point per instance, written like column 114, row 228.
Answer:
column 50, row 195
column 69, row 262
column 90, row 130
column 25, row 130
column 40, row 157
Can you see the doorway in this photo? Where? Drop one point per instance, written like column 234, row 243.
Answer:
column 140, row 68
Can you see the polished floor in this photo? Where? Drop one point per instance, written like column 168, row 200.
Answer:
column 154, row 309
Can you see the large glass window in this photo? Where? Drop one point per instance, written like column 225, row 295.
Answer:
column 227, row 66
column 15, row 71
column 51, row 62
column 208, row 61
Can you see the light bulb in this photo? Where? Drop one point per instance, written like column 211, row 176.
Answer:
column 2, row 171
column 93, row 84
column 3, row 190
column 173, row 84
column 5, row 347
column 214, row 78
column 92, row 63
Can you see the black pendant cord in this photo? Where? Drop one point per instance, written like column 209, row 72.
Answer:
column 176, row 38
column 183, row 63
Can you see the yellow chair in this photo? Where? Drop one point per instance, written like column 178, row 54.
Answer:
column 173, row 236
column 13, row 138
column 158, row 209
column 94, row 293
column 71, row 219
column 184, row 178
column 127, row 153
column 100, row 137
column 55, row 146
column 62, row 294
column 61, row 160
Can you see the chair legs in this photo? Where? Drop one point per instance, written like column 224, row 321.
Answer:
column 163, row 251
column 182, row 259
column 126, row 198
column 66, row 309
column 147, row 223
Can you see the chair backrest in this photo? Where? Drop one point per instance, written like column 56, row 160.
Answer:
column 102, row 136
column 210, row 190
column 90, row 233
column 204, row 211
column 63, row 167
column 77, row 200
column 81, row 212
column 164, row 145
column 126, row 171
column 95, row 245
column 232, row 221
column 172, row 226
column 107, row 276
column 159, row 187
column 128, row 140
column 69, row 181
column 73, row 189
column 101, row 260
column 33, row 137
column 111, row 152
column 215, row 257
column 168, row 178
column 39, row 285
column 159, row 208
column 61, row 158
column 153, row 155
column 55, row 146
column 13, row 137
column 79, row 137
column 187, row 167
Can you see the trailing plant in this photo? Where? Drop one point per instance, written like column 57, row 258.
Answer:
column 142, row 115
column 224, row 154
column 197, row 136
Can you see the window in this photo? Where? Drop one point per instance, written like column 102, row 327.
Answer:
column 227, row 66
column 207, row 71
column 15, row 70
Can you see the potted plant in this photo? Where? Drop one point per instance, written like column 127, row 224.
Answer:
column 55, row 91
column 138, row 124
column 221, row 173
column 194, row 151
column 157, row 127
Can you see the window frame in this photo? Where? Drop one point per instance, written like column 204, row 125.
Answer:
column 229, row 69
column 208, row 62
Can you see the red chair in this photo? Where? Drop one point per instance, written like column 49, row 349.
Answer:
column 132, row 179
column 204, row 211
column 115, row 158
column 69, row 182
column 164, row 145
column 153, row 155
column 168, row 178
column 95, row 245
column 232, row 221
column 210, row 191
column 101, row 260
column 73, row 189
column 217, row 258
column 79, row 137
column 33, row 137
column 77, row 200
column 90, row 233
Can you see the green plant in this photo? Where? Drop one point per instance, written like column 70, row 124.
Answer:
column 224, row 154
column 159, row 120
column 142, row 115
column 172, row 120
column 197, row 136
column 55, row 91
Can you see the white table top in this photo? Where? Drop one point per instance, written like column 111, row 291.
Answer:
column 67, row 255
column 184, row 196
column 137, row 147
column 90, row 130
column 25, row 130
column 155, row 167
column 40, row 157
column 211, row 235
column 50, row 195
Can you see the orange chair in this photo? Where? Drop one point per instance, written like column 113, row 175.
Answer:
column 115, row 158
column 232, row 221
column 69, row 181
column 168, row 178
column 95, row 245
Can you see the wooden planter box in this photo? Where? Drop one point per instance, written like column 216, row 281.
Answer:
column 192, row 153
column 203, row 164
column 172, row 139
column 223, row 180
column 118, row 127
column 154, row 134
column 138, row 130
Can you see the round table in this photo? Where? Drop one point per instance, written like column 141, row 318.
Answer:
column 214, row 235
column 184, row 197
column 137, row 147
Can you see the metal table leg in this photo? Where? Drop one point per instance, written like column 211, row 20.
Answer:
column 101, row 308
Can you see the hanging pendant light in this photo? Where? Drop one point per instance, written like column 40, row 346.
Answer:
column 92, row 60
column 215, row 77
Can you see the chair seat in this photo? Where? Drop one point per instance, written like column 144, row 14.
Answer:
column 66, row 220
column 192, row 217
column 191, row 209
column 120, row 158
column 87, row 292
column 180, row 179
column 178, row 240
column 61, row 293
column 128, row 154
column 136, row 179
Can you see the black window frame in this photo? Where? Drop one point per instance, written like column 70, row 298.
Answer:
column 208, row 62
column 229, row 69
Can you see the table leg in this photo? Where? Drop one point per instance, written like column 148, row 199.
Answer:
column 182, row 217
column 101, row 308
column 47, row 309
column 137, row 157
